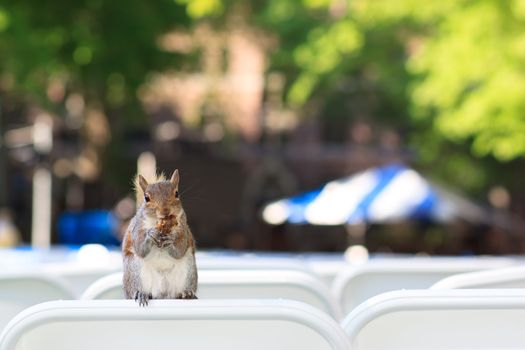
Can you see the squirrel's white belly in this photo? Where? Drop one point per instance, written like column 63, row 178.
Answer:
column 164, row 276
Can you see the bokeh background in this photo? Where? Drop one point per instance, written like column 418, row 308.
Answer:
column 255, row 101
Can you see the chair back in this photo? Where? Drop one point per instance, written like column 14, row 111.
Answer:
column 439, row 320
column 169, row 324
column 239, row 284
column 21, row 290
column 509, row 277
column 361, row 282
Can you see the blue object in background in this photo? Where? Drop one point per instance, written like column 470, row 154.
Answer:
column 94, row 226
column 385, row 194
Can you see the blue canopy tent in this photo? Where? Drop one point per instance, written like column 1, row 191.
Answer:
column 385, row 194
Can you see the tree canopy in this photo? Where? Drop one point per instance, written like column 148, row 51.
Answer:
column 449, row 73
column 457, row 63
column 100, row 49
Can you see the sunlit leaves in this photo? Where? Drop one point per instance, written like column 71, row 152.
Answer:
column 379, row 12
column 302, row 88
column 473, row 78
column 202, row 8
column 280, row 10
column 317, row 3
column 4, row 19
column 83, row 55
column 324, row 50
column 518, row 8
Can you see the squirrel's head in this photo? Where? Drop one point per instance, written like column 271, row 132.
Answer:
column 161, row 199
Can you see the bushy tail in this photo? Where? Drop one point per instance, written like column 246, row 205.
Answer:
column 139, row 194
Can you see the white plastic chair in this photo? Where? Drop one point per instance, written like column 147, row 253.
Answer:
column 236, row 284
column 355, row 285
column 173, row 324
column 208, row 261
column 327, row 268
column 81, row 273
column 21, row 290
column 77, row 276
column 439, row 319
column 78, row 268
column 509, row 277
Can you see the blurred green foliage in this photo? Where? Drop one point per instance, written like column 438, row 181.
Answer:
column 100, row 49
column 460, row 63
column 473, row 83
column 448, row 74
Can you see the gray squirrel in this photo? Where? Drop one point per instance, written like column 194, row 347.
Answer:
column 158, row 247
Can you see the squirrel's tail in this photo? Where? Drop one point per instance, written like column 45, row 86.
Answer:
column 139, row 194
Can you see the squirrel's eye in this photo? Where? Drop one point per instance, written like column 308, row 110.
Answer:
column 147, row 198
column 176, row 194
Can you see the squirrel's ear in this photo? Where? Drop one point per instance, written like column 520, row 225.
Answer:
column 143, row 183
column 175, row 177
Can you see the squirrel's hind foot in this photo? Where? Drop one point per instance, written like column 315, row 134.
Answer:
column 143, row 298
column 187, row 294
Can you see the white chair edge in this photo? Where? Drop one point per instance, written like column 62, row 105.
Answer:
column 481, row 278
column 450, row 265
column 244, row 309
column 94, row 290
column 426, row 299
column 56, row 281
column 304, row 279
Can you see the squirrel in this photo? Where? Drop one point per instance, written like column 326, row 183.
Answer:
column 158, row 247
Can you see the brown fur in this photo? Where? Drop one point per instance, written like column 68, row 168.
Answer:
column 127, row 246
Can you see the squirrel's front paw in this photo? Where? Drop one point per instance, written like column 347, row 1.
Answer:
column 154, row 238
column 143, row 298
column 165, row 241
